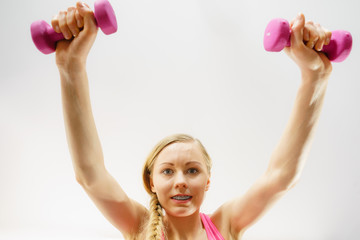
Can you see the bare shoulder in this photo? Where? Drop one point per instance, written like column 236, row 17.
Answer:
column 235, row 216
column 221, row 219
column 142, row 229
column 123, row 212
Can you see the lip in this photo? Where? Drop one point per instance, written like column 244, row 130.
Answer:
column 181, row 201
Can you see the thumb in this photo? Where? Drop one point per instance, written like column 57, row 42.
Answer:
column 88, row 15
column 297, row 30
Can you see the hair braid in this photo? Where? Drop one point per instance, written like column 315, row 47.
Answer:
column 156, row 225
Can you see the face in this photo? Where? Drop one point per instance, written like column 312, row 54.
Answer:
column 180, row 178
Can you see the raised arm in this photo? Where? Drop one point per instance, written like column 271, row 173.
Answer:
column 288, row 159
column 79, row 28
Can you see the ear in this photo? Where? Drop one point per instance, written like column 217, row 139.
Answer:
column 152, row 185
column 207, row 184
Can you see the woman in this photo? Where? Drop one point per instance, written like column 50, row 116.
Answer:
column 177, row 172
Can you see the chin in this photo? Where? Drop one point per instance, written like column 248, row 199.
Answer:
column 181, row 211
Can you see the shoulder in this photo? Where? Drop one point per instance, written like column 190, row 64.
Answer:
column 221, row 218
column 140, row 235
column 140, row 230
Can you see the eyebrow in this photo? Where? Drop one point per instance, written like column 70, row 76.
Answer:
column 188, row 163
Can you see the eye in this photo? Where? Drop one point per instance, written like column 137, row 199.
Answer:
column 167, row 171
column 193, row 171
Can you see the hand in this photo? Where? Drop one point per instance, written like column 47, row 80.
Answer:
column 307, row 40
column 79, row 28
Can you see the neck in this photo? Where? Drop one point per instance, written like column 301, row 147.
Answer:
column 189, row 227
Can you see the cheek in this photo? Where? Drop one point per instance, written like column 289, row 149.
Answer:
column 163, row 188
column 198, row 191
column 161, row 185
column 198, row 185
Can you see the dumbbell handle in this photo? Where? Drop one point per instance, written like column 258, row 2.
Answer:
column 277, row 36
column 45, row 38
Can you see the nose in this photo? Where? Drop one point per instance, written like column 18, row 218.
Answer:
column 180, row 181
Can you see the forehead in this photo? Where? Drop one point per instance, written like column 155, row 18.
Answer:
column 180, row 153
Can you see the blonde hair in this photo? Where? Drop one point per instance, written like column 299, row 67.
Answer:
column 155, row 227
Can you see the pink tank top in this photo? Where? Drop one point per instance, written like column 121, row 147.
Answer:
column 211, row 231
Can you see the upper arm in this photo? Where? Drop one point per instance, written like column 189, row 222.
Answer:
column 239, row 214
column 124, row 213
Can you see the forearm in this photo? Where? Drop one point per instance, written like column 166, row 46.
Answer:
column 289, row 157
column 83, row 140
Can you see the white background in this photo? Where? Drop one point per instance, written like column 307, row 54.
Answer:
column 196, row 67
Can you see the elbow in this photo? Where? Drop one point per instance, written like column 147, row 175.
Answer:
column 90, row 176
column 290, row 185
column 79, row 180
column 85, row 180
column 286, row 173
column 288, row 180
column 82, row 181
column 284, row 180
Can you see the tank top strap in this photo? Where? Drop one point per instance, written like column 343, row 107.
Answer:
column 211, row 231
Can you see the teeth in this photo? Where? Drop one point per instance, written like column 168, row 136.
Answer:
column 181, row 197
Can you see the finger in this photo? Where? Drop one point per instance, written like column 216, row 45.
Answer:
column 306, row 35
column 63, row 25
column 292, row 22
column 55, row 24
column 79, row 19
column 88, row 15
column 322, row 37
column 328, row 36
column 313, row 36
column 71, row 21
column 298, row 30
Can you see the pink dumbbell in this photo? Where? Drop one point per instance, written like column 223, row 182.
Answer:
column 45, row 38
column 277, row 36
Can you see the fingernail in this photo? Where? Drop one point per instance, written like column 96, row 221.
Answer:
column 67, row 36
column 327, row 41
column 57, row 29
column 78, row 23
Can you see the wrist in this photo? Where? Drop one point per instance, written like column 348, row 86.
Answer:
column 73, row 76
column 71, row 68
column 314, row 87
column 310, row 76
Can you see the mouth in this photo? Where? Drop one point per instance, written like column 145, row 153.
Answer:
column 182, row 198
